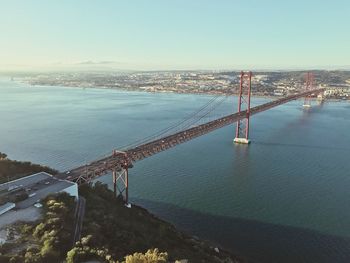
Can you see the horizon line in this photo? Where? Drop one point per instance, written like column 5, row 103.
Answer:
column 57, row 70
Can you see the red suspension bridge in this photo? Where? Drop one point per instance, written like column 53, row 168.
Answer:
column 119, row 162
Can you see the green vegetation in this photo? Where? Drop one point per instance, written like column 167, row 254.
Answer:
column 112, row 231
column 11, row 169
column 45, row 241
column 152, row 255
column 83, row 253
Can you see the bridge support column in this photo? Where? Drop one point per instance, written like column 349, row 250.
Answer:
column 309, row 78
column 242, row 129
column 120, row 176
column 121, row 184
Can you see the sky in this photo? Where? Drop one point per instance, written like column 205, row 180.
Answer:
column 174, row 34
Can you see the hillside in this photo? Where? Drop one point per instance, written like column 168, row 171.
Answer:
column 111, row 232
column 121, row 231
column 11, row 169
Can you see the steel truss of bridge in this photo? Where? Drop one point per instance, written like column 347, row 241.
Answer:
column 120, row 161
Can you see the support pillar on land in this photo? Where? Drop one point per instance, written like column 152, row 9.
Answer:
column 121, row 184
column 121, row 177
column 242, row 128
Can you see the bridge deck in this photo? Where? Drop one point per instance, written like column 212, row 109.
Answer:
column 100, row 167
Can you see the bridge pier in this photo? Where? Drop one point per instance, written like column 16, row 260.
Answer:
column 120, row 176
column 241, row 140
column 242, row 128
column 121, row 184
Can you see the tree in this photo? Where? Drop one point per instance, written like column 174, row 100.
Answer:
column 151, row 256
column 32, row 257
column 48, row 253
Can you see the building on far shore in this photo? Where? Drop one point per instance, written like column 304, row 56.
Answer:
column 28, row 191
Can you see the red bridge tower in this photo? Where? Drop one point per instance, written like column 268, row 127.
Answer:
column 242, row 130
column 309, row 82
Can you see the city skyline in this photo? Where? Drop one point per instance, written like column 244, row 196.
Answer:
column 161, row 35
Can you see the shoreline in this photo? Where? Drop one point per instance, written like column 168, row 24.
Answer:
column 211, row 243
column 233, row 252
column 145, row 91
column 179, row 92
column 177, row 243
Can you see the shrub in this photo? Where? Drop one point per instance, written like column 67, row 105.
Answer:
column 48, row 253
column 32, row 257
column 151, row 256
column 39, row 230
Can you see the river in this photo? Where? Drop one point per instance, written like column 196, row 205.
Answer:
column 283, row 198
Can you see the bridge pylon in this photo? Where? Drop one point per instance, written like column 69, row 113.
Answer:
column 242, row 128
column 120, row 177
column 309, row 82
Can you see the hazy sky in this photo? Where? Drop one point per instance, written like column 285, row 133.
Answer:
column 175, row 34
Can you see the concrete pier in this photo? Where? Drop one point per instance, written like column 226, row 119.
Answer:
column 241, row 140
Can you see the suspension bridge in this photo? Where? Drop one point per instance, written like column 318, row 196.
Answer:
column 120, row 161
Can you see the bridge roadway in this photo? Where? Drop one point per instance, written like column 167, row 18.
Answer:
column 100, row 167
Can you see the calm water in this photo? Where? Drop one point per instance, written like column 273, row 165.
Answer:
column 285, row 198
